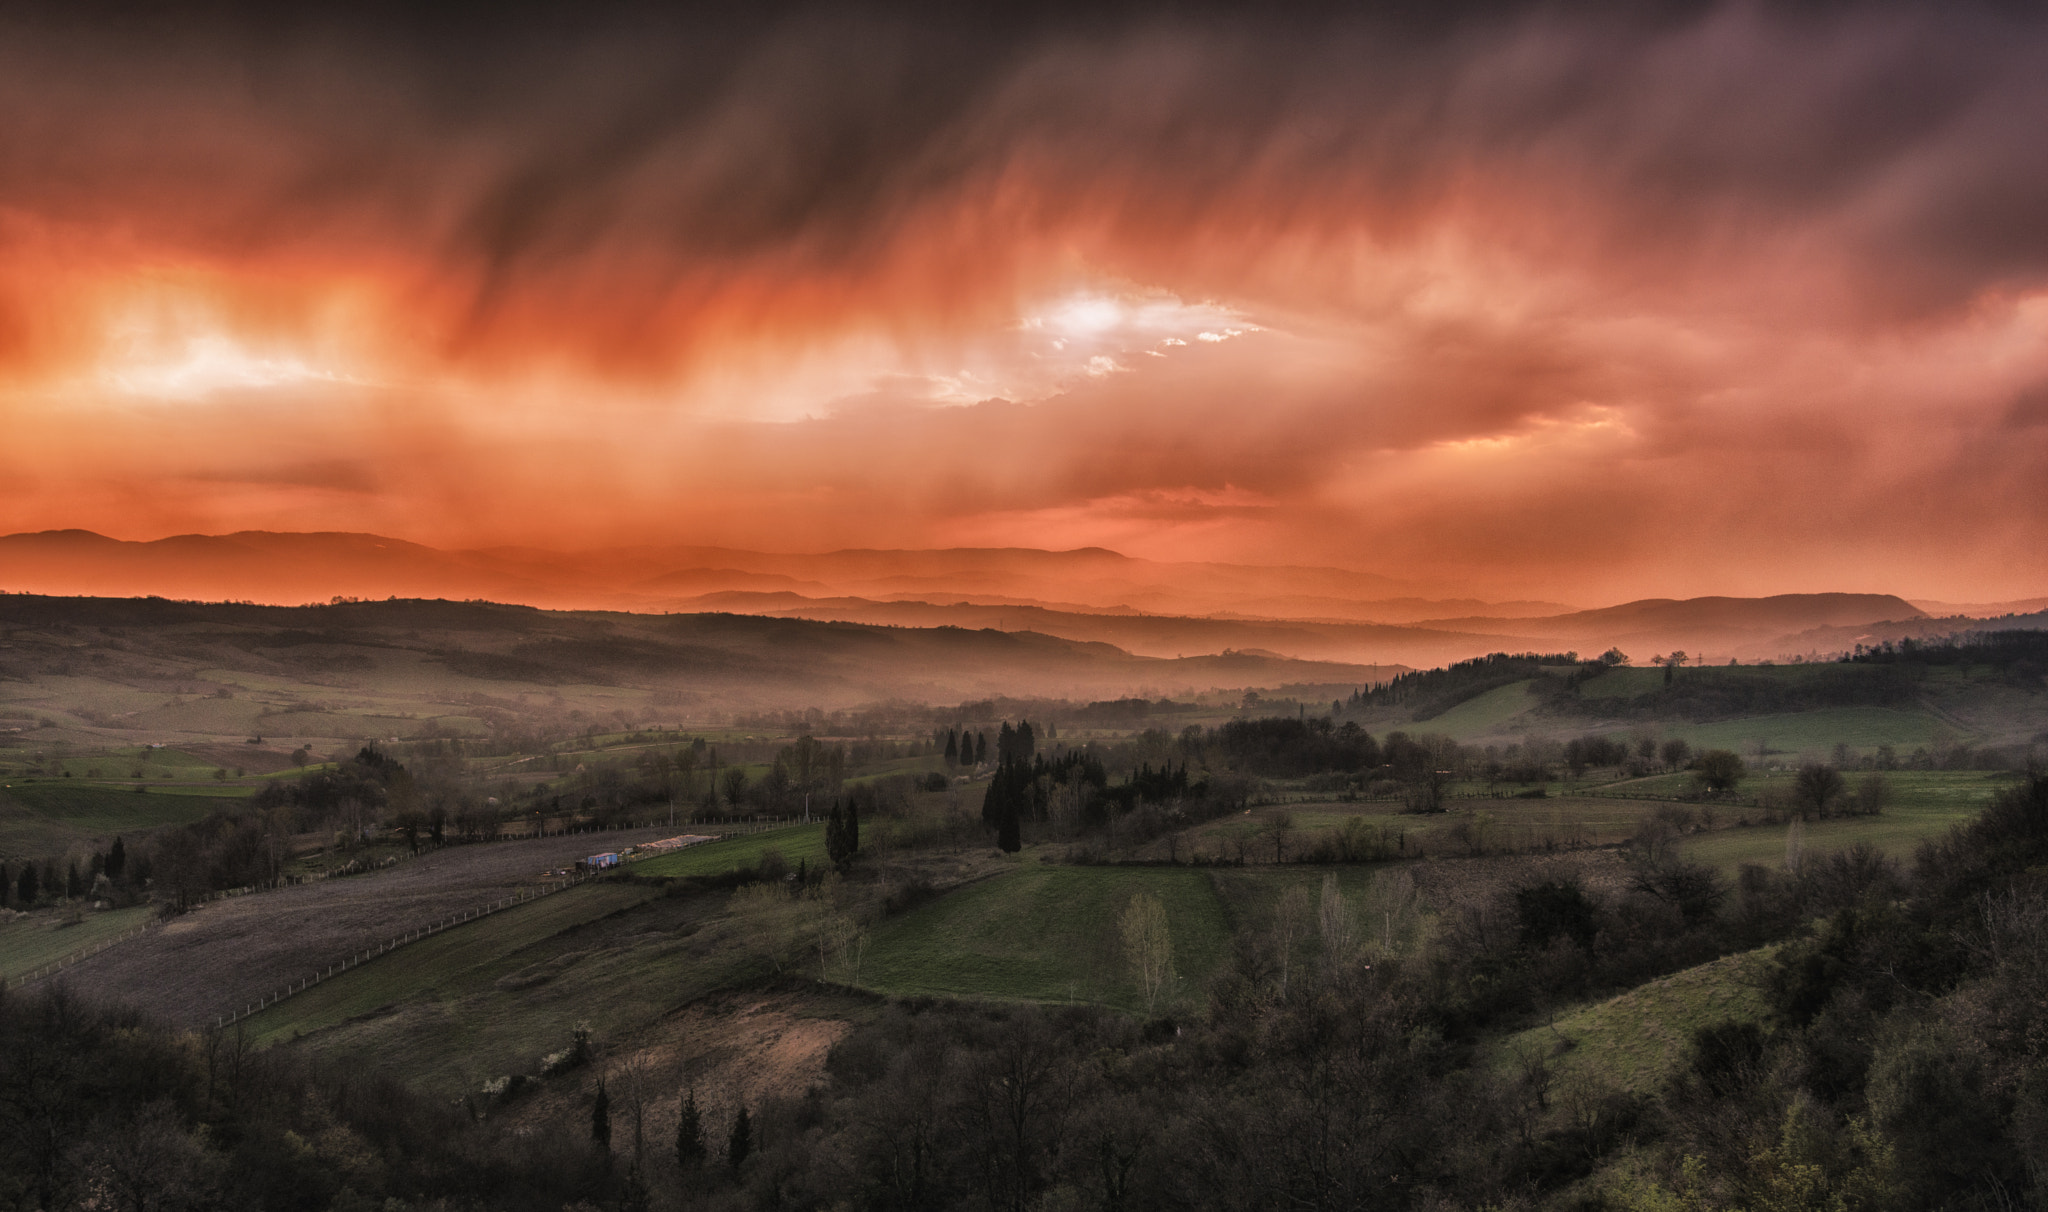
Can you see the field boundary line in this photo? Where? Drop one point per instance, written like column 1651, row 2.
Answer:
column 80, row 956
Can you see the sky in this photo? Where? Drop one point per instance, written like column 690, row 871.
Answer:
column 1580, row 303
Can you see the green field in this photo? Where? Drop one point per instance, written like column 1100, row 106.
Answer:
column 1923, row 804
column 1640, row 1039
column 1816, row 732
column 48, row 818
column 1482, row 715
column 499, row 1000
column 1044, row 933
column 493, row 996
column 1896, row 833
column 1493, row 825
column 443, row 962
column 798, row 843
column 30, row 942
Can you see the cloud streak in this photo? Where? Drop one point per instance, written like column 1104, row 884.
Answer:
column 1726, row 298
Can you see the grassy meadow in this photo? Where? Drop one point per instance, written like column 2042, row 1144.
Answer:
column 45, row 817
column 1046, row 933
column 798, row 843
column 29, row 942
column 1637, row 1040
column 501, row 990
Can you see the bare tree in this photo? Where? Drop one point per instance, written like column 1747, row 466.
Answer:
column 1392, row 912
column 1279, row 825
column 1148, row 944
column 631, row 1075
column 1290, row 921
column 1339, row 928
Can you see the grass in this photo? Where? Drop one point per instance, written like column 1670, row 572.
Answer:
column 1898, row 832
column 44, row 818
column 30, row 942
column 1816, row 732
column 1482, row 715
column 1924, row 804
column 798, row 843
column 1046, row 933
column 445, row 964
column 1640, row 1039
column 1495, row 824
column 493, row 997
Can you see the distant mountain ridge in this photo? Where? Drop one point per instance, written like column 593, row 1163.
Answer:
column 713, row 661
column 292, row 569
column 1090, row 595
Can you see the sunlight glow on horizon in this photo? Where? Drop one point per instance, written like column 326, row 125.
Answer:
column 1584, row 302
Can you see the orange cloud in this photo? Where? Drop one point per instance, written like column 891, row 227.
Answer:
column 1529, row 304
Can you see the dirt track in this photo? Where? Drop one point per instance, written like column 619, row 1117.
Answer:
column 229, row 953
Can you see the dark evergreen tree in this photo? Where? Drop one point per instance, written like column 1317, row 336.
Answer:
column 741, row 1142
column 1010, row 795
column 690, row 1151
column 25, row 889
column 852, row 828
column 74, row 884
column 1017, row 744
column 835, row 844
column 1009, row 832
column 601, row 1119
column 980, row 748
column 6, row 887
column 952, row 748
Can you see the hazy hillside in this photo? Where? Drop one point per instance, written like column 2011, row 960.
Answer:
column 145, row 668
column 1714, row 626
column 295, row 568
column 1147, row 635
column 1088, row 595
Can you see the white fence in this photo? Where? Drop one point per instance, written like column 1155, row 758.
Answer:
column 724, row 830
column 85, row 953
column 389, row 945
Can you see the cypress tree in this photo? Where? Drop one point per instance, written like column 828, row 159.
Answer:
column 741, row 1142
column 1009, row 835
column 690, row 1150
column 852, row 828
column 25, row 887
column 601, row 1119
column 835, row 836
column 73, row 886
column 6, row 886
column 980, row 748
column 952, row 748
